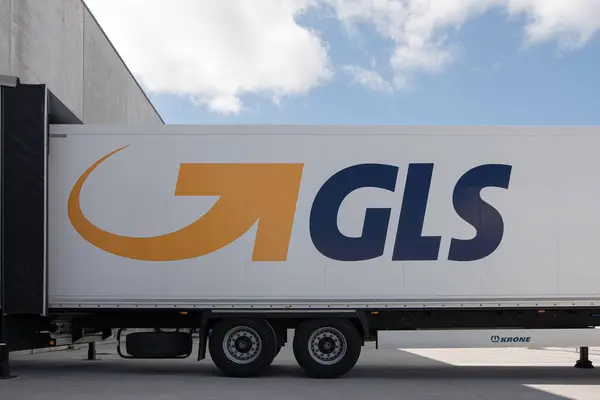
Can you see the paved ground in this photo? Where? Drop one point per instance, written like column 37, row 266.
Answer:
column 433, row 374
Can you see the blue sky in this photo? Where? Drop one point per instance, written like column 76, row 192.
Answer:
column 493, row 78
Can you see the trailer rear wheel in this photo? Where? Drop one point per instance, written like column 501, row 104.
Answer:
column 243, row 347
column 327, row 348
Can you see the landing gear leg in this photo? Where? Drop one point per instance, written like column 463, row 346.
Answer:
column 584, row 359
column 91, row 355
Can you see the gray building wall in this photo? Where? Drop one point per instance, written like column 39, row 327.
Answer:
column 59, row 43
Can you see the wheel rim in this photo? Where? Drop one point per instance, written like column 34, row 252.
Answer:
column 327, row 345
column 242, row 345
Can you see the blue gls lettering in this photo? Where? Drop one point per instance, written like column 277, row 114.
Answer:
column 324, row 230
column 410, row 245
column 482, row 216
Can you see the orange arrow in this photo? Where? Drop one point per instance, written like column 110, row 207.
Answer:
column 266, row 193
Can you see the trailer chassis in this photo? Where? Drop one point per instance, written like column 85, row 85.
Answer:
column 161, row 334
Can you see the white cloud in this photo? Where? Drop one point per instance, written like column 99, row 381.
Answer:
column 216, row 50
column 368, row 77
column 417, row 27
column 572, row 23
column 420, row 29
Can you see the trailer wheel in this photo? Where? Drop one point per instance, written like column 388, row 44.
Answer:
column 242, row 348
column 327, row 348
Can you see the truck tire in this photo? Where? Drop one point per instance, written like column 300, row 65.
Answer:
column 158, row 344
column 327, row 349
column 242, row 347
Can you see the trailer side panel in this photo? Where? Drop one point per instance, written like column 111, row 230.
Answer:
column 349, row 217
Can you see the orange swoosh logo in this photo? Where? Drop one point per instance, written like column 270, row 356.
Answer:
column 266, row 193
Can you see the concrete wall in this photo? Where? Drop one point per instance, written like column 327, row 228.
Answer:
column 59, row 43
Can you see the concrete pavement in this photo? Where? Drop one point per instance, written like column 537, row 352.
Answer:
column 492, row 374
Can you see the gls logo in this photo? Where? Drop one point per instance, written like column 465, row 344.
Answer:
column 268, row 193
column 410, row 245
column 248, row 192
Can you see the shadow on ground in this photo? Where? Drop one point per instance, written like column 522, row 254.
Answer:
column 378, row 375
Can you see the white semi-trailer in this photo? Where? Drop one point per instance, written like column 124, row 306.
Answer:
column 405, row 236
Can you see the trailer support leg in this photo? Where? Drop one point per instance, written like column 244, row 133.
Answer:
column 584, row 359
column 91, row 355
column 4, row 362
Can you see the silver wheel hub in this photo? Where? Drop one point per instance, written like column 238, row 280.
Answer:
column 327, row 346
column 242, row 345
